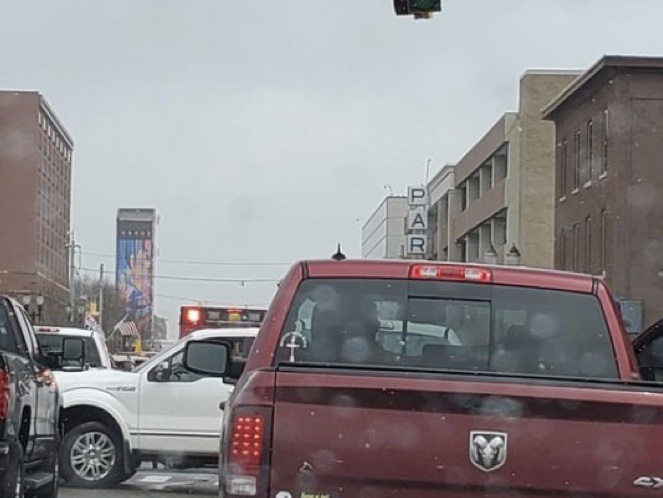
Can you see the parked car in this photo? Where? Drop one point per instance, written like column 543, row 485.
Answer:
column 29, row 408
column 157, row 412
column 538, row 392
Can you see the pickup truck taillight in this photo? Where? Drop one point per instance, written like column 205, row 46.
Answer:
column 247, row 459
column 4, row 393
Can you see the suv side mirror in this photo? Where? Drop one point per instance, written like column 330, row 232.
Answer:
column 208, row 358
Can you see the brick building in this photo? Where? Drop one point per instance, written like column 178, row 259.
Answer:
column 35, row 204
column 609, row 180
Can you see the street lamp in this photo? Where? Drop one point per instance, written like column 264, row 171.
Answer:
column 34, row 306
column 513, row 256
column 490, row 257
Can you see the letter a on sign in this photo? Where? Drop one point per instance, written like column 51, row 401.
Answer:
column 417, row 219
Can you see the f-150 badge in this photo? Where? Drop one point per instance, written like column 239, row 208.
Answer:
column 488, row 449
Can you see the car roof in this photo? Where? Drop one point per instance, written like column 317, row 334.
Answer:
column 224, row 332
column 68, row 331
column 400, row 269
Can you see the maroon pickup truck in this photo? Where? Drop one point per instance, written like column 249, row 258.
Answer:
column 374, row 379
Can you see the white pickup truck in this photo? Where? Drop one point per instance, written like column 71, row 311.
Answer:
column 96, row 354
column 115, row 420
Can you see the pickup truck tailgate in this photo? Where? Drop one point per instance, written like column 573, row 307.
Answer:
column 372, row 434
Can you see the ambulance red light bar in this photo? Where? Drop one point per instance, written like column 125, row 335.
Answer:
column 450, row 272
column 193, row 315
column 200, row 317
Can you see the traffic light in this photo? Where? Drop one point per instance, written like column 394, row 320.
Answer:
column 418, row 8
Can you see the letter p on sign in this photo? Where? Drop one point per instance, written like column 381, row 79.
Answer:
column 417, row 196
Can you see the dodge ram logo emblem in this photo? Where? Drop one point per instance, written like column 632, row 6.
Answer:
column 488, row 449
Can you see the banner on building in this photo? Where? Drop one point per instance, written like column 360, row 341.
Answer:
column 135, row 262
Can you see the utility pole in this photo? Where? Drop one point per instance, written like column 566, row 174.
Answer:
column 101, row 295
column 72, row 278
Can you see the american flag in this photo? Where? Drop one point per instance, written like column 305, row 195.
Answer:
column 127, row 328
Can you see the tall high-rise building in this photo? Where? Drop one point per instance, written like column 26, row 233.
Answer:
column 134, row 275
column 35, row 204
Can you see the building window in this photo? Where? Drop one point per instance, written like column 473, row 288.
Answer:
column 590, row 151
column 604, row 240
column 576, row 252
column 576, row 162
column 463, row 196
column 563, row 168
column 562, row 250
column 604, row 142
column 588, row 245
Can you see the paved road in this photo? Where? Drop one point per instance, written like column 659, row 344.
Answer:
column 156, row 484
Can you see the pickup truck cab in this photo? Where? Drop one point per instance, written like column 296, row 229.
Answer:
column 159, row 412
column 422, row 379
column 51, row 340
column 29, row 409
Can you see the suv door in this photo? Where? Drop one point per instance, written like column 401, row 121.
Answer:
column 178, row 410
column 20, row 366
column 46, row 394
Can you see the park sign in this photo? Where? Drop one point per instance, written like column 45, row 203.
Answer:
column 417, row 221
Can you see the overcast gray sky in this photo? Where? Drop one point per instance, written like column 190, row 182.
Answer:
column 261, row 131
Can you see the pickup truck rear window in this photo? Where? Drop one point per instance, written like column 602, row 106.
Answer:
column 53, row 343
column 448, row 326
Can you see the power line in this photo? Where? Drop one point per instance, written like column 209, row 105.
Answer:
column 205, row 301
column 202, row 279
column 193, row 262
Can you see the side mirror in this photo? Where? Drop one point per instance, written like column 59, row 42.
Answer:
column 208, row 358
column 73, row 353
column 160, row 373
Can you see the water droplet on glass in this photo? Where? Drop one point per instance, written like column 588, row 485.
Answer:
column 513, row 474
column 566, row 483
column 312, row 413
column 367, row 446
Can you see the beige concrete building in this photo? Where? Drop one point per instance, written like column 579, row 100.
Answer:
column 504, row 185
column 443, row 200
column 383, row 234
